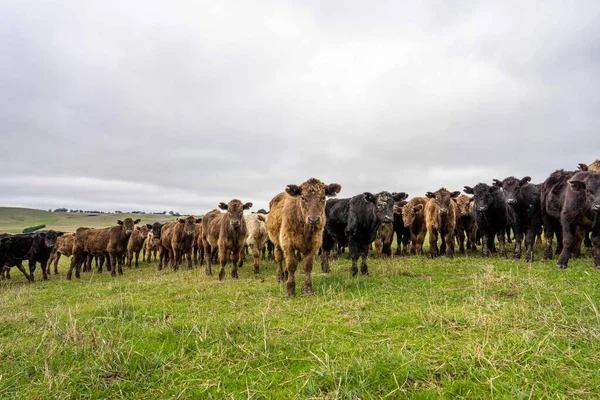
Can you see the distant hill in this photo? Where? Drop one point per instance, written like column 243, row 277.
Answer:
column 14, row 219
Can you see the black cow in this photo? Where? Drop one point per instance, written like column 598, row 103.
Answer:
column 354, row 222
column 580, row 212
column 34, row 247
column 552, row 198
column 490, row 213
column 401, row 231
column 524, row 215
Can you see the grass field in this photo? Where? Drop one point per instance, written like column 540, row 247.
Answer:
column 416, row 328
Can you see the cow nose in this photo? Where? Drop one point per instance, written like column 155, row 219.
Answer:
column 511, row 201
column 443, row 211
column 387, row 218
column 314, row 220
column 464, row 214
column 482, row 208
column 128, row 232
column 596, row 207
column 235, row 223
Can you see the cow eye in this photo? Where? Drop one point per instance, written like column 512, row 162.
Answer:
column 323, row 198
column 303, row 198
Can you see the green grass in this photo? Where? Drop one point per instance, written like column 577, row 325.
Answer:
column 416, row 328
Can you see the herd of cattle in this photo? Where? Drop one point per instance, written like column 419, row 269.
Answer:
column 302, row 223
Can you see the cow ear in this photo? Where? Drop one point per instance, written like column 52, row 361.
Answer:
column 42, row 235
column 181, row 220
column 525, row 181
column 148, row 226
column 399, row 196
column 137, row 228
column 198, row 220
column 137, row 221
column 455, row 194
column 471, row 199
column 494, row 189
column 260, row 217
column 419, row 207
column 222, row 206
column 59, row 233
column 577, row 185
column 5, row 240
column 332, row 189
column 119, row 222
column 497, row 183
column 430, row 195
column 582, row 167
column 247, row 206
column 293, row 190
column 454, row 200
column 369, row 197
column 468, row 190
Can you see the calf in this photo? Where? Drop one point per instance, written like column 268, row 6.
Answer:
column 440, row 216
column 34, row 247
column 581, row 212
column 383, row 240
column 354, row 222
column 413, row 215
column 257, row 237
column 489, row 211
column 465, row 223
column 295, row 225
column 177, row 240
column 136, row 243
column 227, row 232
column 64, row 247
column 402, row 231
column 118, row 238
column 152, row 244
column 198, row 246
column 523, row 209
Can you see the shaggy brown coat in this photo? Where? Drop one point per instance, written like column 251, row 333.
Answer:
column 117, row 243
column 136, row 243
column 63, row 246
column 465, row 223
column 413, row 215
column 385, row 235
column 296, row 222
column 151, row 248
column 227, row 232
column 257, row 237
column 177, row 239
column 440, row 217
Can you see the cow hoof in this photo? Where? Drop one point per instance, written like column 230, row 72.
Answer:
column 561, row 266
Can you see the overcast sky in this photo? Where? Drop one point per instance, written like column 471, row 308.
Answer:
column 156, row 105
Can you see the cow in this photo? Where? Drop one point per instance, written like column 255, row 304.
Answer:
column 198, row 246
column 580, row 212
column 226, row 233
column 354, row 222
column 524, row 215
column 177, row 239
column 136, row 243
column 63, row 247
column 383, row 240
column 34, row 247
column 413, row 215
column 295, row 225
column 152, row 243
column 466, row 227
column 117, row 243
column 440, row 217
column 552, row 198
column 595, row 166
column 490, row 213
column 257, row 237
column 401, row 230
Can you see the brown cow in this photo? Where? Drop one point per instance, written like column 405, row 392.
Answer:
column 177, row 238
column 465, row 223
column 296, row 222
column 440, row 217
column 413, row 215
column 227, row 232
column 117, row 243
column 383, row 240
column 136, row 243
column 152, row 243
column 198, row 246
column 257, row 237
column 63, row 246
column 595, row 166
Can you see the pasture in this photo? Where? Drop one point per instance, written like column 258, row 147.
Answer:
column 416, row 328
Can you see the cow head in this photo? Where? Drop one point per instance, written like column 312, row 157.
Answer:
column 50, row 237
column 443, row 198
column 590, row 183
column 463, row 205
column 235, row 210
column 595, row 166
column 156, row 229
column 384, row 205
column 4, row 242
column 143, row 230
column 483, row 196
column 313, row 194
column 128, row 225
column 189, row 224
column 511, row 187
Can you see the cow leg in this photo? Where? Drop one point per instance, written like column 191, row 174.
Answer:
column 174, row 256
column 207, row 258
column 485, row 245
column 327, row 245
column 569, row 238
column 44, row 267
column 256, row 254
column 120, row 263
column 529, row 241
column 236, row 258
column 114, row 260
column 518, row 236
column 55, row 260
column 354, row 255
column 307, row 286
column 433, row 249
column 460, row 233
column 278, row 253
column 449, row 239
column 74, row 259
column 22, row 269
column 580, row 234
column 398, row 244
column 501, row 243
column 188, row 255
column 137, row 256
column 32, row 269
column 129, row 258
column 596, row 248
column 364, row 269
column 587, row 241
column 223, row 259
column 291, row 263
column 195, row 255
